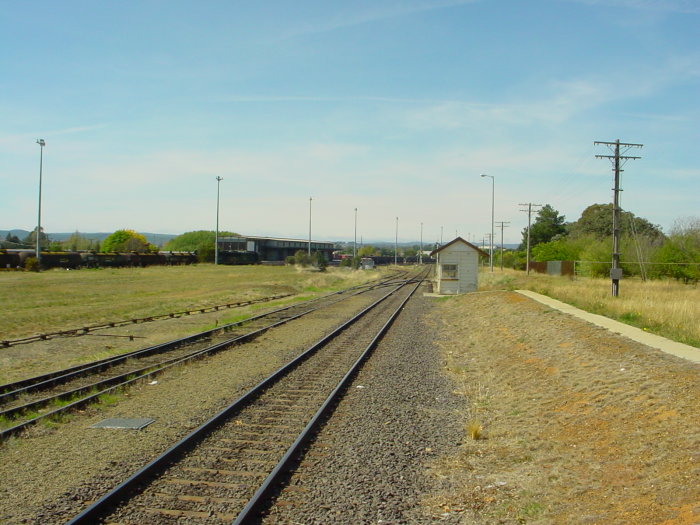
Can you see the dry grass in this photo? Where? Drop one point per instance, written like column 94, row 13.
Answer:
column 583, row 426
column 475, row 430
column 667, row 308
column 41, row 302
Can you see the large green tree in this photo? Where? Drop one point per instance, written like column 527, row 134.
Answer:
column 200, row 241
column 194, row 241
column 680, row 254
column 126, row 241
column 31, row 239
column 597, row 219
column 78, row 242
column 548, row 226
column 366, row 251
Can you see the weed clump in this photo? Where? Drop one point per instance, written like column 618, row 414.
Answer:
column 475, row 430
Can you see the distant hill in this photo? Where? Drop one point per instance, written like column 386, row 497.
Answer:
column 159, row 239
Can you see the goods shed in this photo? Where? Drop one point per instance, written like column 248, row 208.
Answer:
column 272, row 248
column 457, row 267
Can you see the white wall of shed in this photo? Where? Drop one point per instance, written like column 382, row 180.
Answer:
column 467, row 261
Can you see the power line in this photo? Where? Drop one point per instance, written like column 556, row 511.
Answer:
column 529, row 221
column 618, row 161
column 503, row 224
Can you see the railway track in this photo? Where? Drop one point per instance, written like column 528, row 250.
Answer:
column 228, row 468
column 26, row 402
column 88, row 330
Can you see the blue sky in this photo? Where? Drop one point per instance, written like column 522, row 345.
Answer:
column 391, row 107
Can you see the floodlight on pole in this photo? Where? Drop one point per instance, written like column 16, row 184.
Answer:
column 396, row 243
column 41, row 143
column 420, row 253
column 354, row 244
column 216, row 240
column 493, row 184
column 309, row 251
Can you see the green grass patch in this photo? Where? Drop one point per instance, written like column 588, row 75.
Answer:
column 60, row 403
column 631, row 317
column 530, row 511
column 443, row 298
column 108, row 399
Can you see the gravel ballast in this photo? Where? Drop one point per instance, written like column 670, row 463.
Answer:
column 483, row 408
column 51, row 474
column 369, row 463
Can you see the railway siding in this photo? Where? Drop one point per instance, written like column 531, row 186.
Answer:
column 579, row 426
column 72, row 463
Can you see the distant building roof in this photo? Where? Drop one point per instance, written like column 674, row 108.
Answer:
column 459, row 239
column 257, row 238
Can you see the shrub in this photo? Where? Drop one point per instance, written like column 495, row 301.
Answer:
column 321, row 262
column 32, row 264
column 302, row 258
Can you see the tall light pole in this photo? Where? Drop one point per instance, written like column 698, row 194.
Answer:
column 310, row 198
column 493, row 185
column 396, row 243
column 41, row 143
column 216, row 238
column 420, row 253
column 354, row 244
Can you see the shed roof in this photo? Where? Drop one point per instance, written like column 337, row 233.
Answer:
column 457, row 240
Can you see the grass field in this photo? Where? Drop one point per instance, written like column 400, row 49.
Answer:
column 34, row 303
column 663, row 307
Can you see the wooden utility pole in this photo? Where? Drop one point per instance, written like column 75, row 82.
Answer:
column 529, row 221
column 501, row 225
column 616, row 271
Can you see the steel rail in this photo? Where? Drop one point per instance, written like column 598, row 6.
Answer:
column 85, row 330
column 153, row 469
column 120, row 381
column 262, row 495
column 11, row 390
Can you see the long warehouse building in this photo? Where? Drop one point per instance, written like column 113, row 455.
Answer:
column 273, row 249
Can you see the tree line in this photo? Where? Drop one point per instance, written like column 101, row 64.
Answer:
column 646, row 251
column 123, row 240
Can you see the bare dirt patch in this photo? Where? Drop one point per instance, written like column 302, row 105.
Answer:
column 577, row 425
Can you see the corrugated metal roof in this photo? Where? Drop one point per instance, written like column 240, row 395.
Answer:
column 255, row 238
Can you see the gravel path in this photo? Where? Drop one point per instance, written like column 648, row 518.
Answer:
column 368, row 464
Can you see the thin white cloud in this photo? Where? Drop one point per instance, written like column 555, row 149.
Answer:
column 312, row 98
column 560, row 101
column 673, row 6
column 372, row 12
column 26, row 141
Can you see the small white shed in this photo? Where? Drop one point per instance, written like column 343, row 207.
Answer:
column 457, row 267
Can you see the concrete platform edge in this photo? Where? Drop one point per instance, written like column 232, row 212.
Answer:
column 655, row 341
